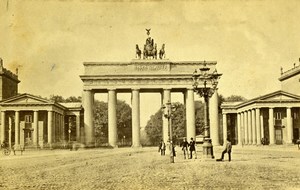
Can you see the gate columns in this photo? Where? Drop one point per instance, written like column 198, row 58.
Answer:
column 112, row 118
column 88, row 101
column 166, row 98
column 190, row 115
column 135, row 101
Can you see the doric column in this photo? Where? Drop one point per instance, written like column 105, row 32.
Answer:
column 214, row 118
column 166, row 98
column 62, row 118
column 54, row 127
column 135, row 102
column 35, row 127
column 88, row 101
column 190, row 114
column 224, row 128
column 239, row 127
column 246, row 126
column 17, row 126
column 2, row 137
column 271, row 126
column 50, row 128
column 258, row 126
column 78, row 127
column 9, row 130
column 262, row 132
column 112, row 118
column 253, row 122
column 249, row 127
column 58, row 131
column 242, row 129
column 289, row 127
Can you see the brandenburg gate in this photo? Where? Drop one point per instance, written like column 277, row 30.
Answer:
column 139, row 76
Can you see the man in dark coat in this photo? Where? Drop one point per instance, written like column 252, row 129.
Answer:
column 185, row 145
column 192, row 148
column 162, row 148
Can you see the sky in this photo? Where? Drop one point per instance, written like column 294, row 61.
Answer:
column 48, row 40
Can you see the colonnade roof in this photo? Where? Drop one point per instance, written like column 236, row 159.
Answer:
column 278, row 98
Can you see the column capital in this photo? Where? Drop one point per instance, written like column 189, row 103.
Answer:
column 190, row 89
column 135, row 89
column 111, row 89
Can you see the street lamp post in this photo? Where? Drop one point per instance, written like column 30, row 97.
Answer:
column 210, row 82
column 168, row 108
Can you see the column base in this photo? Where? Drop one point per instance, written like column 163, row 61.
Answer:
column 208, row 149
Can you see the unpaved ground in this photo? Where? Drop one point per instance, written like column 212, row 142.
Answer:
column 264, row 167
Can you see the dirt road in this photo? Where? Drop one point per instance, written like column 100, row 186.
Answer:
column 126, row 168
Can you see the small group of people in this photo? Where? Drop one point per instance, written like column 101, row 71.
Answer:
column 162, row 148
column 189, row 147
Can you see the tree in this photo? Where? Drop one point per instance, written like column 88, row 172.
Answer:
column 57, row 98
column 153, row 128
column 235, row 98
column 73, row 99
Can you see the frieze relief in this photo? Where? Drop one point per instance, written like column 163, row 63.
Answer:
column 129, row 82
column 161, row 67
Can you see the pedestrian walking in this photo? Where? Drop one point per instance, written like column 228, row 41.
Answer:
column 192, row 148
column 227, row 149
column 162, row 148
column 184, row 144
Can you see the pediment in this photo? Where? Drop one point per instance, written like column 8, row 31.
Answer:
column 25, row 99
column 279, row 96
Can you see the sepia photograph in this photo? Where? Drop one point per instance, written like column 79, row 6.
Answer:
column 149, row 94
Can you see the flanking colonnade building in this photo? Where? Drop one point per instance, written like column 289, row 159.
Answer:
column 271, row 119
column 31, row 121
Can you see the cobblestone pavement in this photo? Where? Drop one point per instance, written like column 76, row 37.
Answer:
column 264, row 167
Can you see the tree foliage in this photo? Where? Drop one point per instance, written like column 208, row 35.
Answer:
column 235, row 98
column 57, row 98
column 60, row 99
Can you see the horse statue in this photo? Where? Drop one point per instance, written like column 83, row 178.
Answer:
column 162, row 52
column 138, row 52
column 150, row 49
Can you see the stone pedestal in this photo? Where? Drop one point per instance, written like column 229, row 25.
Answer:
column 208, row 152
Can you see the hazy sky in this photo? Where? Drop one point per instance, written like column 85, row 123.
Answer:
column 49, row 40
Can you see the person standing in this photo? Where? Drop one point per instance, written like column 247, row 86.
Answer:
column 162, row 148
column 192, row 148
column 227, row 149
column 185, row 145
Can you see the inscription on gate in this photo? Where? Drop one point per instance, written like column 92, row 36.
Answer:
column 151, row 67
